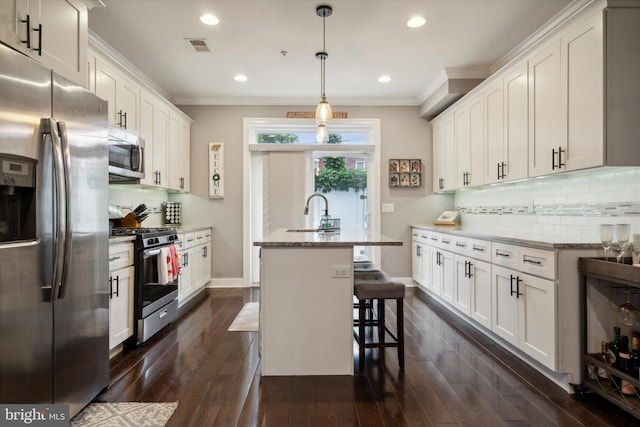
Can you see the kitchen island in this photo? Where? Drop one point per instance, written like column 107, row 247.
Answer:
column 306, row 300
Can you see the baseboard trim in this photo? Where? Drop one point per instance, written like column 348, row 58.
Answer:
column 227, row 282
column 238, row 282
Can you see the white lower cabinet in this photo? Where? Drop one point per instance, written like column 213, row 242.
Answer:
column 121, row 281
column 202, row 259
column 473, row 289
column 443, row 274
column 510, row 290
column 524, row 313
column 185, row 282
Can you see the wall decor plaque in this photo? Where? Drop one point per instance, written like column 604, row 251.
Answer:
column 216, row 170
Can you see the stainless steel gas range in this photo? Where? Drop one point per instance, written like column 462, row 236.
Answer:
column 155, row 297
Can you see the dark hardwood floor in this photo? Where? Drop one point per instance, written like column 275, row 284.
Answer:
column 453, row 376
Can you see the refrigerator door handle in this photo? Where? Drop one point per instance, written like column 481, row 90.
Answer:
column 59, row 213
column 66, row 157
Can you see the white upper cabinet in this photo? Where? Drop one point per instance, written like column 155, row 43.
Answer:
column 122, row 94
column 583, row 68
column 571, row 102
column 444, row 153
column 546, row 119
column 154, row 129
column 53, row 32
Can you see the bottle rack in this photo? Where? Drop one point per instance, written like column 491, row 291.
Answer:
column 607, row 273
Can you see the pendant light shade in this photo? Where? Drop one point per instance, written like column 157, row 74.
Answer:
column 322, row 136
column 323, row 111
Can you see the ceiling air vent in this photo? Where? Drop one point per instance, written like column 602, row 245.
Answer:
column 199, row 45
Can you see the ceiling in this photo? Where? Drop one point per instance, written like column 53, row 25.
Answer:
column 364, row 39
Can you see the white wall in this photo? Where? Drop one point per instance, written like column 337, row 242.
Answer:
column 403, row 135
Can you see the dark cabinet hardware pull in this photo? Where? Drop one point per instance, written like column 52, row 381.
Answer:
column 446, row 241
column 119, row 118
column 461, row 245
column 39, row 30
column 502, row 254
column 531, row 261
column 503, row 175
column 511, row 284
column 553, row 159
column 560, row 164
column 435, row 239
column 125, row 120
column 117, row 286
column 518, row 293
column 28, row 22
column 498, row 170
column 110, row 287
column 470, row 265
column 478, row 248
column 114, row 258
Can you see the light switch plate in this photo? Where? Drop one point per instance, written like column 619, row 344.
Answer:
column 388, row 207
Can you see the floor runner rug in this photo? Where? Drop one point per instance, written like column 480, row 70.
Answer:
column 247, row 319
column 125, row 414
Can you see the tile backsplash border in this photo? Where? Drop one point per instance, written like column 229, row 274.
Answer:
column 569, row 206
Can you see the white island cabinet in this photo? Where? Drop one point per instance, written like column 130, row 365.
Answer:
column 306, row 301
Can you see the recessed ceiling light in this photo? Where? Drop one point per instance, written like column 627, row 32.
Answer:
column 240, row 78
column 209, row 19
column 384, row 79
column 416, row 21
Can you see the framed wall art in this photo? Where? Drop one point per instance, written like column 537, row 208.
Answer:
column 405, row 172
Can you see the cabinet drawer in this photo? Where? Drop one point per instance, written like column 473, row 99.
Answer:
column 187, row 240
column 202, row 237
column 120, row 255
column 539, row 262
column 420, row 236
column 480, row 249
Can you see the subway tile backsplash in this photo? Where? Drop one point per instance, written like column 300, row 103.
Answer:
column 570, row 205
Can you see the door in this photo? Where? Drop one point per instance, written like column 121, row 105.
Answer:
column 120, row 306
column 537, row 323
column 494, row 153
column 448, row 277
column 516, row 124
column 547, row 120
column 80, row 319
column 462, row 283
column 25, row 310
column 505, row 305
column 416, row 262
column 481, row 302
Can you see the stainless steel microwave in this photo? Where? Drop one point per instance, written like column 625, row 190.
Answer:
column 126, row 156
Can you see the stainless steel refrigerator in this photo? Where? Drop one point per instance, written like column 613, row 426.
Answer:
column 54, row 296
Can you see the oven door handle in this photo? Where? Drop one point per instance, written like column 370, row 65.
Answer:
column 151, row 252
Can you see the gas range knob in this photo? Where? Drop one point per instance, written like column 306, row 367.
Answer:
column 150, row 241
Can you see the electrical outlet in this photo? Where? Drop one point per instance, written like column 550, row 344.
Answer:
column 340, row 271
column 388, row 207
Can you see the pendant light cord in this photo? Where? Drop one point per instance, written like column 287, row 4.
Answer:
column 324, row 57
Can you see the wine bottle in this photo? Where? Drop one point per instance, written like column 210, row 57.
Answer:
column 605, row 357
column 625, row 366
column 614, row 346
column 635, row 355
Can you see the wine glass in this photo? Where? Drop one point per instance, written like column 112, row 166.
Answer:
column 622, row 236
column 606, row 237
column 627, row 311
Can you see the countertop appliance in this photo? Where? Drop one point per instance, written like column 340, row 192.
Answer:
column 155, row 303
column 54, row 292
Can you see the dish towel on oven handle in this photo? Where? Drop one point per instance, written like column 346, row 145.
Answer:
column 165, row 271
column 176, row 266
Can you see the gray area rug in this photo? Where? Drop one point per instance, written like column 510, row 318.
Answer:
column 125, row 414
column 248, row 318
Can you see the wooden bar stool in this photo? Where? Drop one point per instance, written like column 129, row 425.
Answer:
column 379, row 290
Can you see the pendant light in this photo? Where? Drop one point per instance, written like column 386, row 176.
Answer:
column 323, row 111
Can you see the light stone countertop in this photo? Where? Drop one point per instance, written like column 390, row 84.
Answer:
column 190, row 228
column 522, row 238
column 311, row 238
